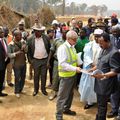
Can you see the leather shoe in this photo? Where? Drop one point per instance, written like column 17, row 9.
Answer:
column 53, row 95
column 35, row 93
column 112, row 114
column 59, row 119
column 117, row 118
column 44, row 93
column 3, row 94
column 87, row 106
column 69, row 112
column 11, row 84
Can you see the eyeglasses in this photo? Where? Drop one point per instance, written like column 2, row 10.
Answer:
column 97, row 36
column 74, row 39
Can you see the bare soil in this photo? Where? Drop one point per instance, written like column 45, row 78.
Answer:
column 39, row 107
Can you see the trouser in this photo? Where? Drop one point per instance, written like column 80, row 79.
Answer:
column 115, row 98
column 65, row 95
column 9, row 73
column 2, row 77
column 51, row 70
column 20, row 74
column 30, row 71
column 55, row 85
column 78, row 79
column 102, row 107
column 40, row 71
column 115, row 101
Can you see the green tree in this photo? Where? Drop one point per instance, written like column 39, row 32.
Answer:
column 83, row 7
column 54, row 2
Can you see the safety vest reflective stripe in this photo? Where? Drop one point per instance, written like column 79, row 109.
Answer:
column 72, row 60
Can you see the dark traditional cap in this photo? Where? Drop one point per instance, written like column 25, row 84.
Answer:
column 100, row 24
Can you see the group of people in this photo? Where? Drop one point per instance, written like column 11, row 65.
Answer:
column 85, row 57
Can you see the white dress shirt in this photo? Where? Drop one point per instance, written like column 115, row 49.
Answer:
column 40, row 51
column 62, row 57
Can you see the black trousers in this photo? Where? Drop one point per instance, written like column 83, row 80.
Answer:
column 51, row 70
column 102, row 106
column 2, row 78
column 40, row 71
column 2, row 75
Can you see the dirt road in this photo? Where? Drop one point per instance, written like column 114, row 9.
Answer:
column 39, row 107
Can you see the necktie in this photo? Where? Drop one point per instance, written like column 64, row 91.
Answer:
column 3, row 44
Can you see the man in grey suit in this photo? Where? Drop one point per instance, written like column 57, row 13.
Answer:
column 106, row 83
column 38, row 50
column 115, row 98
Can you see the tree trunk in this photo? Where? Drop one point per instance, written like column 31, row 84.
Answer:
column 63, row 8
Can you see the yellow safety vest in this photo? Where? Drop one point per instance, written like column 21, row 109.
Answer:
column 72, row 60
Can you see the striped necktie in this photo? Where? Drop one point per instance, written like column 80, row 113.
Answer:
column 4, row 46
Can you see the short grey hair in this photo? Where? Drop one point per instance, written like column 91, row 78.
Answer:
column 16, row 32
column 116, row 27
column 71, row 34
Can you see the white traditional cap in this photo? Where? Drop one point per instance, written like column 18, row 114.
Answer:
column 116, row 27
column 43, row 28
column 38, row 27
column 22, row 22
column 98, row 31
column 55, row 22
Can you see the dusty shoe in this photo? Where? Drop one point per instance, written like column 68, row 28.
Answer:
column 11, row 84
column 35, row 93
column 53, row 95
column 87, row 106
column 17, row 95
column 3, row 94
column 44, row 93
column 112, row 114
column 70, row 112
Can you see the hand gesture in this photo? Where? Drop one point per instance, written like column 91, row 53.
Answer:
column 98, row 76
column 18, row 52
column 78, row 69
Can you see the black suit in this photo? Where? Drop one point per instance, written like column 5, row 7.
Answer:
column 115, row 97
column 39, row 65
column 2, row 66
column 107, row 61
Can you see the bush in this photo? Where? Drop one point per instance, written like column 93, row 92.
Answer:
column 46, row 16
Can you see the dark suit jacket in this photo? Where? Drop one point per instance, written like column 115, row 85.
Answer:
column 107, row 61
column 31, row 46
column 2, row 57
column 115, row 41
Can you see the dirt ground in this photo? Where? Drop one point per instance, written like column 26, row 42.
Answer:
column 39, row 107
